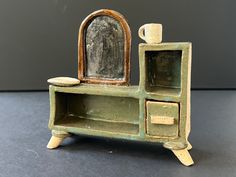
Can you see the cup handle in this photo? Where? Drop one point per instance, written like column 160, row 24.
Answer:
column 141, row 32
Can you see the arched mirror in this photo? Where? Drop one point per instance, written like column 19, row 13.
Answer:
column 104, row 48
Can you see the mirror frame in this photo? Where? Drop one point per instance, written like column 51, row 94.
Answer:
column 81, row 48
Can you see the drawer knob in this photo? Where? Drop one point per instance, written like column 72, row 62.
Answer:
column 165, row 120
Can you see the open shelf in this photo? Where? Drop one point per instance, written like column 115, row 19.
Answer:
column 164, row 91
column 163, row 72
column 96, row 112
column 99, row 125
column 100, row 89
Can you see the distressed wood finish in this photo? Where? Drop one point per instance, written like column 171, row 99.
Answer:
column 102, row 71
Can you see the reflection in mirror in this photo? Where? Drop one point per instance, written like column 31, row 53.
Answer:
column 104, row 49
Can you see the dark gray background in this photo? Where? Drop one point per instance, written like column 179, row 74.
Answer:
column 38, row 39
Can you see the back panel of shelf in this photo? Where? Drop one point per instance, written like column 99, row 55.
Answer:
column 163, row 71
column 164, row 68
column 97, row 113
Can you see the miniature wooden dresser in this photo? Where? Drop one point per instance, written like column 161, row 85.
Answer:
column 157, row 110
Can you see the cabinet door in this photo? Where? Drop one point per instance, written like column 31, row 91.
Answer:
column 162, row 119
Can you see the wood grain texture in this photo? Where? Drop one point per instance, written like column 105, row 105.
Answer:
column 105, row 70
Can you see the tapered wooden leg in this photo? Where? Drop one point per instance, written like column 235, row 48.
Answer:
column 189, row 147
column 54, row 142
column 183, row 156
column 56, row 139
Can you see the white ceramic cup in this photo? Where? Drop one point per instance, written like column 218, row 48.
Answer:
column 151, row 33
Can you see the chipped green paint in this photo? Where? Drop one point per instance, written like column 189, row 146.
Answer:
column 121, row 111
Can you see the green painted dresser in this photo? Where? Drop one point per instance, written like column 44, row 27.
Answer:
column 157, row 110
column 104, row 104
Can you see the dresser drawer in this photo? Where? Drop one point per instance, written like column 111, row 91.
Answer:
column 162, row 119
